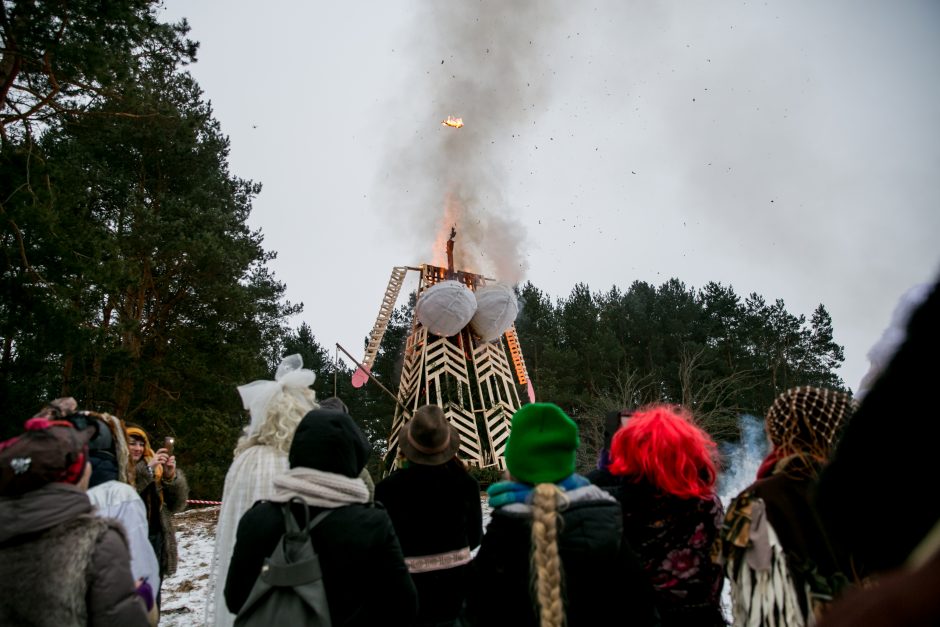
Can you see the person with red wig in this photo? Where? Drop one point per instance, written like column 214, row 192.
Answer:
column 671, row 513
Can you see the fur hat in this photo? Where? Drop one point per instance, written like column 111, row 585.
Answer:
column 49, row 451
column 879, row 355
column 428, row 438
column 808, row 419
column 58, row 409
column 542, row 444
column 329, row 440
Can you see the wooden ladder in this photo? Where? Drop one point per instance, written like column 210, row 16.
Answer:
column 385, row 314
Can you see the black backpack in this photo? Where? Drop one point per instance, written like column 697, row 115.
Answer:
column 289, row 590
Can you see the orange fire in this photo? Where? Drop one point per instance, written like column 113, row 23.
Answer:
column 453, row 122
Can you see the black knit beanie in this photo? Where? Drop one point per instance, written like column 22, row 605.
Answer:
column 329, row 440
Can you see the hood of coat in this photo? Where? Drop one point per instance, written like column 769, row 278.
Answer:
column 41, row 509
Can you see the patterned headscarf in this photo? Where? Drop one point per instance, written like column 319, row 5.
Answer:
column 808, row 420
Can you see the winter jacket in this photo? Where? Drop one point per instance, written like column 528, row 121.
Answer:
column 62, row 566
column 364, row 572
column 162, row 499
column 435, row 509
column 117, row 500
column 673, row 538
column 602, row 582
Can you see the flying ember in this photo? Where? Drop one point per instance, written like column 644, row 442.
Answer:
column 453, row 122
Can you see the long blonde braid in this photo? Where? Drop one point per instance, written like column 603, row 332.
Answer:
column 546, row 565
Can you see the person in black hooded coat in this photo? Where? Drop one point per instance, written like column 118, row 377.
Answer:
column 364, row 572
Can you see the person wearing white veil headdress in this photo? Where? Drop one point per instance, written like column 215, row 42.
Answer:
column 276, row 408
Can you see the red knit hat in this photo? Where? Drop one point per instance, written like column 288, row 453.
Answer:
column 49, row 451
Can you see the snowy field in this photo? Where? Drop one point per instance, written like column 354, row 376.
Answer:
column 184, row 593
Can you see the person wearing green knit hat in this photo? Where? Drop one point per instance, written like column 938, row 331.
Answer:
column 542, row 444
column 546, row 571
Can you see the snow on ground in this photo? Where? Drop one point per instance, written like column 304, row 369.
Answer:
column 184, row 594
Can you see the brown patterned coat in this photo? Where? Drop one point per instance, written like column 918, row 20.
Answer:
column 163, row 499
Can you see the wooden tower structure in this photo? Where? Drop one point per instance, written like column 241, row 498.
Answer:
column 476, row 383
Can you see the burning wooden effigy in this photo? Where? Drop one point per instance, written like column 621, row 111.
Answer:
column 462, row 354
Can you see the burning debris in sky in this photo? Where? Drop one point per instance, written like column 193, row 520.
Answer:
column 496, row 73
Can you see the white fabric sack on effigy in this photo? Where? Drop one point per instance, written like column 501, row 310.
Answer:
column 446, row 308
column 497, row 308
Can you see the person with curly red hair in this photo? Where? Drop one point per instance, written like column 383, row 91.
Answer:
column 671, row 513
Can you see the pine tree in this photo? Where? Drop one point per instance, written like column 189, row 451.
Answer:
column 67, row 57
column 136, row 284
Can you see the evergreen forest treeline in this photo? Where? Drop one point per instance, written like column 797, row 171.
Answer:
column 130, row 278
column 710, row 349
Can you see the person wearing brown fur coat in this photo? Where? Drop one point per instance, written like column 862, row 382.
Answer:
column 59, row 563
column 164, row 490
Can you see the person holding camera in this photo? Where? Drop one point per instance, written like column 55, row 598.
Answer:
column 164, row 490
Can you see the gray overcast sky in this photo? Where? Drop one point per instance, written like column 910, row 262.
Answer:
column 785, row 148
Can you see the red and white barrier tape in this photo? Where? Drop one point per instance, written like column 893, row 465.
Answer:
column 196, row 502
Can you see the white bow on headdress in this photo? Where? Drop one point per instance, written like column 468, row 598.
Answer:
column 291, row 376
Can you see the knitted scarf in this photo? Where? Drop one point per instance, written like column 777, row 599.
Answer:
column 319, row 488
column 506, row 492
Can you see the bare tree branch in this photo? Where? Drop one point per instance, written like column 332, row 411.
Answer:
column 712, row 399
